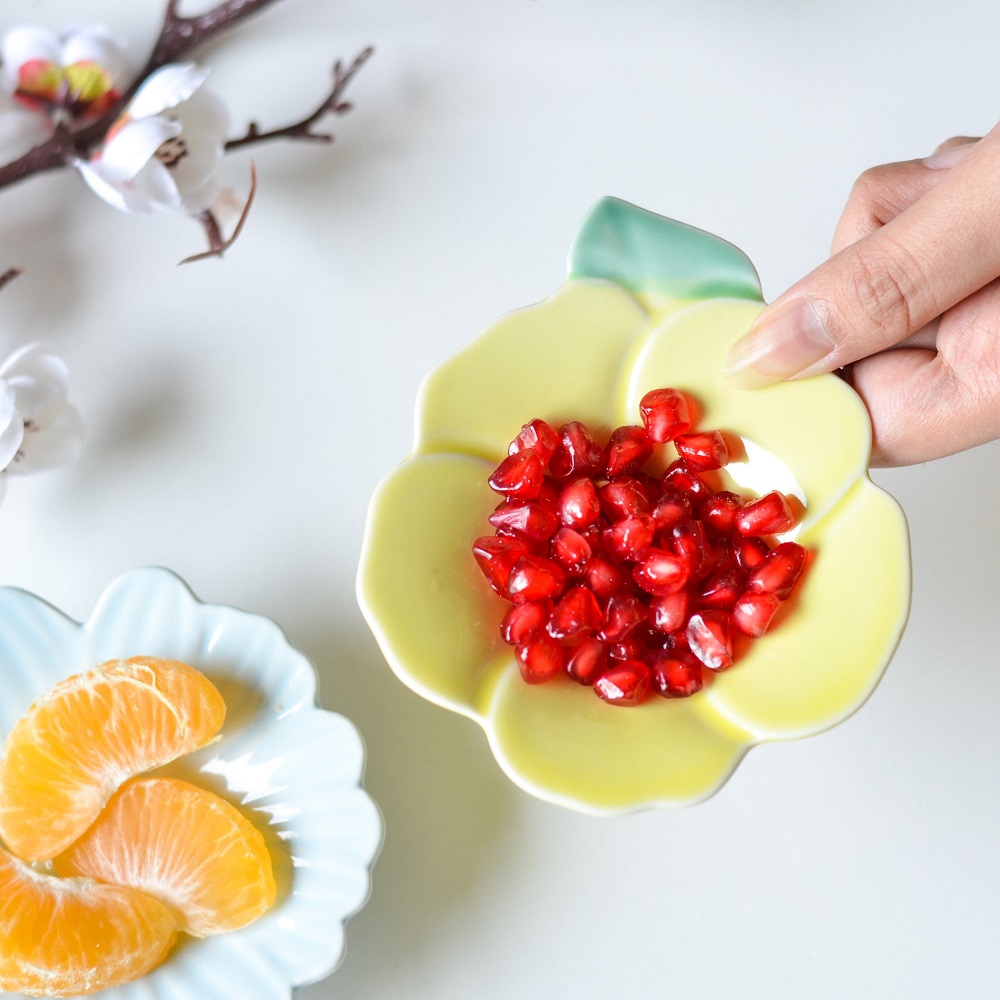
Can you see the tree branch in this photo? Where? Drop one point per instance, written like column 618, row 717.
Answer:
column 217, row 243
column 331, row 104
column 8, row 276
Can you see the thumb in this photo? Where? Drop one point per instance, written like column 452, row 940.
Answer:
column 885, row 287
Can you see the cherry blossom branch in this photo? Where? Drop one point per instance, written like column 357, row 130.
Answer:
column 217, row 243
column 8, row 276
column 332, row 104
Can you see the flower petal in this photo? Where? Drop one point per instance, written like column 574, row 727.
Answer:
column 819, row 427
column 419, row 587
column 57, row 443
column 564, row 359
column 166, row 88
column 154, row 186
column 27, row 44
column 115, row 196
column 134, row 145
column 560, row 741
column 95, row 44
column 11, row 425
column 822, row 661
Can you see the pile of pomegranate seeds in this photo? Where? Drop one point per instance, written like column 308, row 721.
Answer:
column 629, row 582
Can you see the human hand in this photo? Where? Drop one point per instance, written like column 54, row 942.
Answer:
column 909, row 302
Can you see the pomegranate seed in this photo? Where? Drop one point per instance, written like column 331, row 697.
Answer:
column 703, row 451
column 623, row 613
column 685, row 480
column 779, row 574
column 690, row 543
column 628, row 448
column 632, row 647
column 672, row 509
column 675, row 674
column 496, row 556
column 578, row 453
column 540, row 658
column 753, row 612
column 576, row 614
column 665, row 414
column 570, row 549
column 661, row 572
column 767, row 515
column 623, row 498
column 537, row 436
column 605, row 578
column 579, row 504
column 548, row 495
column 534, row 577
column 625, row 683
column 525, row 518
column 587, row 661
column 750, row 552
column 710, row 639
column 524, row 619
column 722, row 590
column 719, row 512
column 631, row 536
column 669, row 612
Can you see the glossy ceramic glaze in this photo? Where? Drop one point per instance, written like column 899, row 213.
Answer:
column 293, row 769
column 649, row 303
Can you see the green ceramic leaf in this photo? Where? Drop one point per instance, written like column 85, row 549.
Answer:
column 650, row 254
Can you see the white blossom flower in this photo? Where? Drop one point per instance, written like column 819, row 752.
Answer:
column 162, row 154
column 39, row 427
column 77, row 73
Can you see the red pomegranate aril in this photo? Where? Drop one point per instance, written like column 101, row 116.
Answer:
column 628, row 448
column 605, row 578
column 525, row 518
column 669, row 613
column 623, row 613
column 691, row 545
column 665, row 414
column 586, row 661
column 753, row 612
column 524, row 619
column 750, row 552
column 710, row 639
column 623, row 498
column 579, row 504
column 767, row 515
column 632, row 647
column 496, row 556
column 539, row 437
column 625, row 683
column 675, row 674
column 540, row 658
column 661, row 572
column 519, row 475
column 719, row 512
column 535, row 577
column 548, row 495
column 703, row 451
column 722, row 590
column 630, row 537
column 679, row 476
column 578, row 453
column 570, row 549
column 780, row 572
column 673, row 508
column 576, row 615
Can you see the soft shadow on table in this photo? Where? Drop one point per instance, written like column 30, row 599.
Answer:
column 446, row 804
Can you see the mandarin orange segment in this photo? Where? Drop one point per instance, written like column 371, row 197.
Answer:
column 191, row 849
column 66, row 756
column 65, row 937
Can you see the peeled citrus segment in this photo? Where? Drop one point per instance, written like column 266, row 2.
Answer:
column 191, row 849
column 72, row 749
column 64, row 937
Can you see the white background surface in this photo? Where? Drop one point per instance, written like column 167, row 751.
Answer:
column 241, row 412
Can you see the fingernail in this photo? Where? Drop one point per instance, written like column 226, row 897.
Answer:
column 780, row 344
column 945, row 158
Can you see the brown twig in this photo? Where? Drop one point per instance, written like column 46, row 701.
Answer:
column 217, row 243
column 331, row 104
column 8, row 276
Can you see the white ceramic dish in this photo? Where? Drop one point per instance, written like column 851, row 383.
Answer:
column 292, row 767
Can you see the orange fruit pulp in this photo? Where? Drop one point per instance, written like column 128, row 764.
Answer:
column 72, row 749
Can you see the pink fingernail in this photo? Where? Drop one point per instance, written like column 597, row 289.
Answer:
column 945, row 158
column 779, row 345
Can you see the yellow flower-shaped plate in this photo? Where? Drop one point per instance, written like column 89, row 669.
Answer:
column 649, row 303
